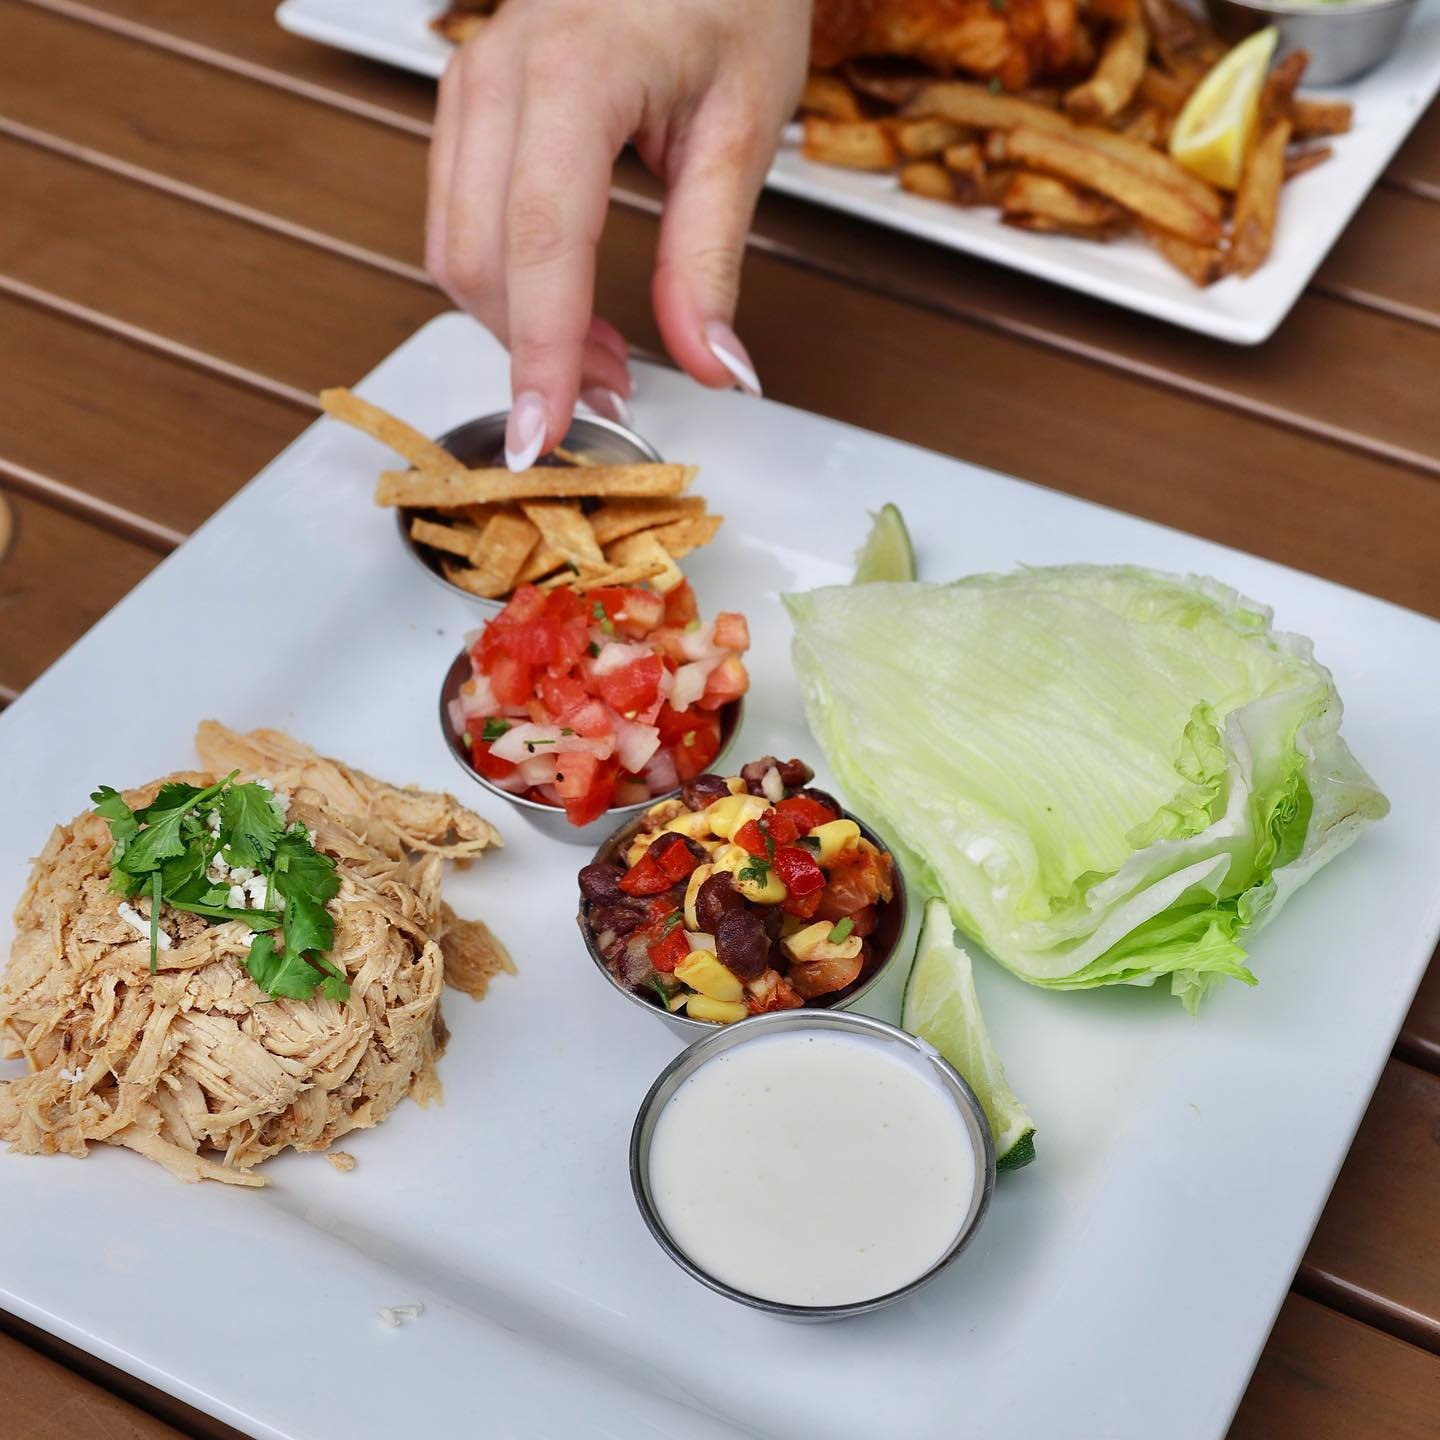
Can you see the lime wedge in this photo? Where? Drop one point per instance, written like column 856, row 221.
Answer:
column 887, row 554
column 941, row 1006
column 1212, row 132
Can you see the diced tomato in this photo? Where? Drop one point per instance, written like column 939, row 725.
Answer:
column 799, row 870
column 644, row 877
column 852, row 887
column 564, row 605
column 537, row 711
column 804, row 906
column 681, row 606
column 570, row 704
column 598, row 798
column 751, row 839
column 633, row 687
column 670, row 642
column 782, row 829
column 575, row 773
column 535, row 641
column 660, row 907
column 673, row 856
column 732, row 632
column 512, row 681
column 693, row 738
column 482, row 759
column 667, row 952
column 526, row 604
column 728, row 681
column 642, row 611
column 806, row 813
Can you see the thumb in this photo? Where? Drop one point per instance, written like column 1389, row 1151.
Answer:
column 707, row 214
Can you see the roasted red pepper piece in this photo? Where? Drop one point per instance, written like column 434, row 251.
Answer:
column 804, row 906
column 805, row 812
column 799, row 871
column 782, row 829
column 644, row 877
column 668, row 951
column 751, row 839
column 673, row 856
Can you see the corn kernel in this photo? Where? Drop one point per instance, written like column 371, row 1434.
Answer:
column 639, row 845
column 728, row 814
column 835, row 836
column 694, row 823
column 723, row 1012
column 735, row 785
column 702, row 971
column 803, row 944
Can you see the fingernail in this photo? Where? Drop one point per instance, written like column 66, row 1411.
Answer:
column 609, row 403
column 724, row 344
column 525, row 430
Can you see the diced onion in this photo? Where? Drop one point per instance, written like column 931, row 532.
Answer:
column 660, row 773
column 773, row 786
column 538, row 769
column 477, row 698
column 700, row 644
column 690, row 683
column 457, row 716
column 616, row 656
column 523, row 742
column 700, row 941
column 635, row 744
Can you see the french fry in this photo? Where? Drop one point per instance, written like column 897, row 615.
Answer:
column 934, row 182
column 1313, row 118
column 830, row 96
column 618, row 518
column 924, row 137
column 1042, row 197
column 1258, row 199
column 461, row 540
column 1064, row 34
column 1200, row 264
column 855, row 144
column 1146, row 126
column 620, row 575
column 1075, row 160
column 1154, row 166
column 1162, row 90
column 1115, row 12
column 405, row 440
column 546, row 482
column 564, row 529
column 883, row 80
column 1297, row 162
column 992, row 183
column 1278, row 95
column 1117, row 74
column 994, row 151
column 975, row 106
column 966, row 158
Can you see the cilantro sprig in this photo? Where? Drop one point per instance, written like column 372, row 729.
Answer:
column 167, row 848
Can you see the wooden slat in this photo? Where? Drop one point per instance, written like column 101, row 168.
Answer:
column 1417, row 164
column 266, row 307
column 1372, row 392
column 153, row 1406
column 1373, row 1252
column 136, row 440
column 44, row 1401
column 1326, row 1377
column 1419, row 1041
column 1389, row 257
column 59, row 577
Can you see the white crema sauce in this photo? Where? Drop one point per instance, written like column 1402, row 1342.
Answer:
column 812, row 1168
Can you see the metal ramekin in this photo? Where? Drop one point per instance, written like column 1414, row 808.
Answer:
column 550, row 819
column 1344, row 39
column 482, row 442
column 890, row 926
column 725, row 1037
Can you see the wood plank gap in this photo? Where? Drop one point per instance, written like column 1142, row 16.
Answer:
column 150, row 340
column 1422, row 1053
column 86, row 155
column 1379, row 1313
column 101, row 513
column 1421, row 189
column 1364, row 300
column 205, row 55
column 7, row 695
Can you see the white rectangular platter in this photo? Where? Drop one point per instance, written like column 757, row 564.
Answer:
column 1316, row 207
column 1122, row 1285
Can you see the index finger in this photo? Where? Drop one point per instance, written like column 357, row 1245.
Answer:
column 559, row 192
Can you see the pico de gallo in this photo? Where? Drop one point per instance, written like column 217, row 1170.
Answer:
column 590, row 699
column 742, row 895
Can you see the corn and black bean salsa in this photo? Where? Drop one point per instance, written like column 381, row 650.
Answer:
column 739, row 896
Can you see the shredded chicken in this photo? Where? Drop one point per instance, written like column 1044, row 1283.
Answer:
column 195, row 1067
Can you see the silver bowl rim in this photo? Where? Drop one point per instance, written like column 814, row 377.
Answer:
column 897, row 906
column 732, row 715
column 726, row 1037
column 446, row 441
column 1321, row 12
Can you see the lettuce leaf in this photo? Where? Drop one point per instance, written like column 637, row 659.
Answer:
column 1111, row 774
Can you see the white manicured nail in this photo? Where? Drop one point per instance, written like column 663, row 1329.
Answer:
column 525, row 430
column 609, row 403
column 724, row 344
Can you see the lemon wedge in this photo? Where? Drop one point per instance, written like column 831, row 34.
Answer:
column 1213, row 130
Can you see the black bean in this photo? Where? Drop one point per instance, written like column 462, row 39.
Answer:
column 670, row 839
column 622, row 919
column 715, row 896
column 741, row 943
column 704, row 790
column 754, row 773
column 601, row 883
column 795, row 772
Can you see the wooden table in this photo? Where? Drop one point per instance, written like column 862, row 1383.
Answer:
column 205, row 220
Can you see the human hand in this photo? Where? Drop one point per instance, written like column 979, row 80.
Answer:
column 532, row 114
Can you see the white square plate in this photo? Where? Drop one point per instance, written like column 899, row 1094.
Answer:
column 1317, row 205
column 1122, row 1285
